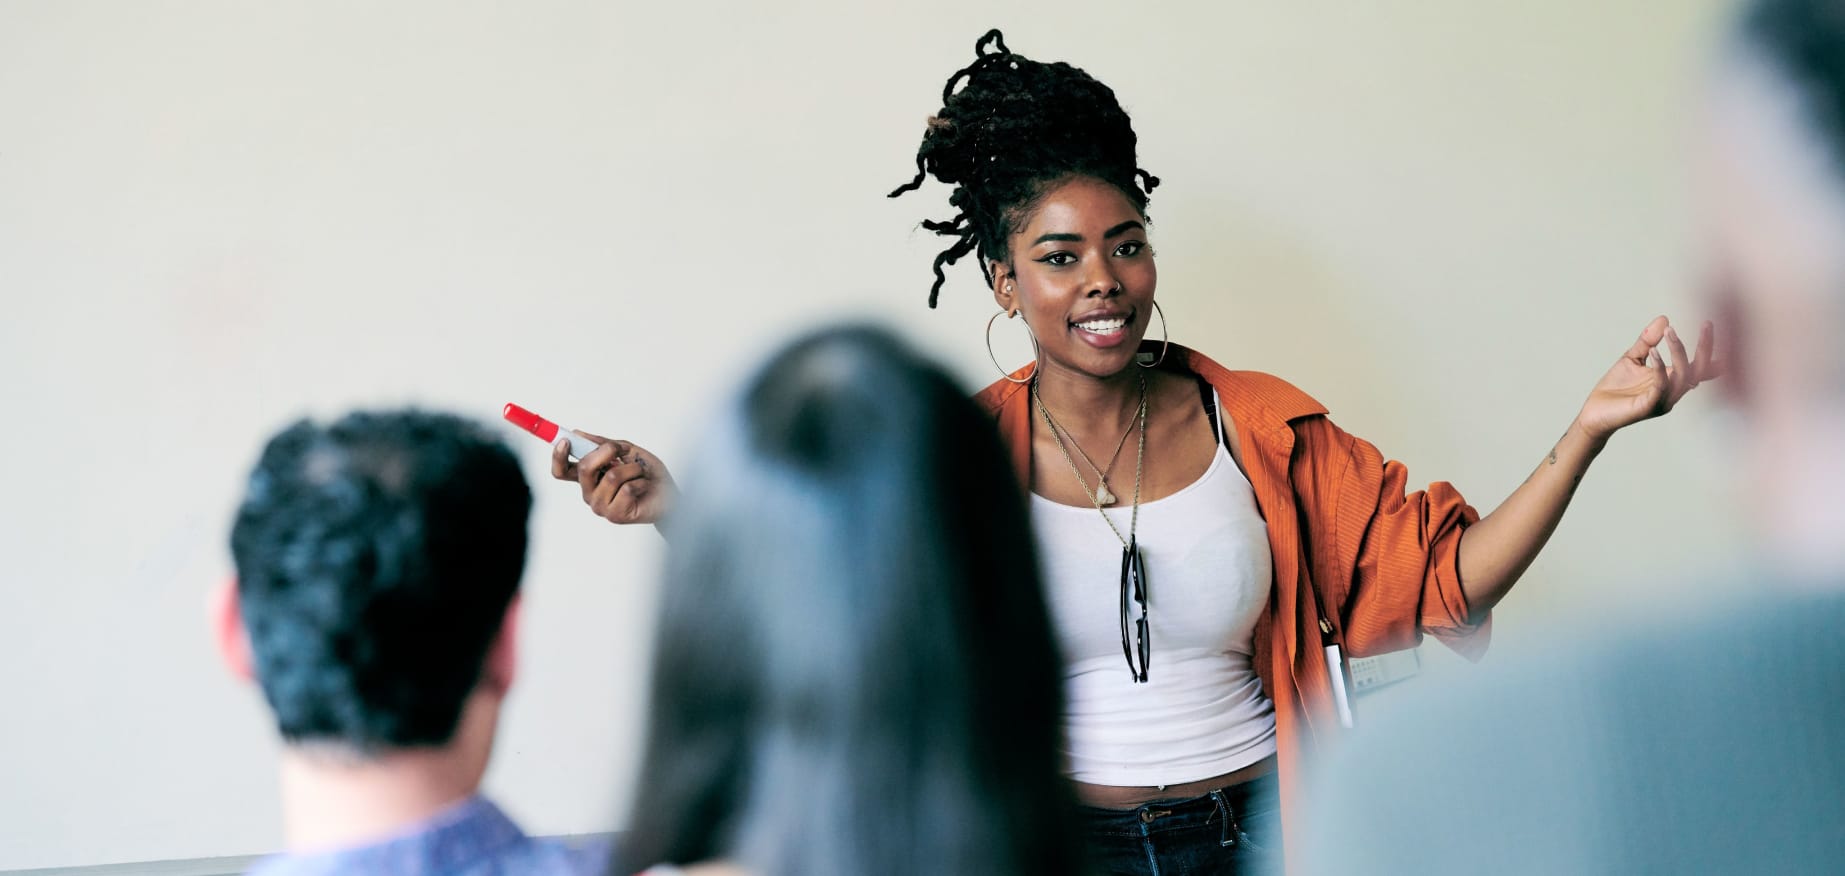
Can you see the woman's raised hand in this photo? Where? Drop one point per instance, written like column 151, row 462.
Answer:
column 1641, row 385
column 622, row 482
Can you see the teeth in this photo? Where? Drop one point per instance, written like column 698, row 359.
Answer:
column 1102, row 326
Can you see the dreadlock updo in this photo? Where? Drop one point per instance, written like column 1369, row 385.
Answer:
column 1015, row 127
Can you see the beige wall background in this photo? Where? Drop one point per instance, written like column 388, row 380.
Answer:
column 1444, row 218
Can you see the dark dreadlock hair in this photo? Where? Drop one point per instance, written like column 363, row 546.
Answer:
column 1015, row 127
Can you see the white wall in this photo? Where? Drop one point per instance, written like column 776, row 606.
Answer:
column 1443, row 219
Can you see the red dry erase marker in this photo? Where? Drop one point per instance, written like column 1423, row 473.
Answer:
column 549, row 431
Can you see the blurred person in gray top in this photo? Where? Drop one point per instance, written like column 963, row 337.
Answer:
column 1713, row 745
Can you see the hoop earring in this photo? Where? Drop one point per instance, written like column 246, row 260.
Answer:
column 1034, row 348
column 1144, row 360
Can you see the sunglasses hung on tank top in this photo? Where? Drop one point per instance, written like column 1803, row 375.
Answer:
column 1134, row 585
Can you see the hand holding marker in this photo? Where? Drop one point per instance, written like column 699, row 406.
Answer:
column 622, row 482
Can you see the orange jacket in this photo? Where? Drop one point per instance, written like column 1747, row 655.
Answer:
column 1386, row 564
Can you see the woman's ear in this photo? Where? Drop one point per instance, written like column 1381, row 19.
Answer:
column 233, row 641
column 1003, row 293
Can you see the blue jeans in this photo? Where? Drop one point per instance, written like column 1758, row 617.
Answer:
column 1232, row 832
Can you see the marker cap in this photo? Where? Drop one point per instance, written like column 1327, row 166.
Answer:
column 531, row 422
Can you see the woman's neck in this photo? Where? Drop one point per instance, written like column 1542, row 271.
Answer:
column 1090, row 405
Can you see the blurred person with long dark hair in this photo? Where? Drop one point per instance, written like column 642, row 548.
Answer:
column 855, row 671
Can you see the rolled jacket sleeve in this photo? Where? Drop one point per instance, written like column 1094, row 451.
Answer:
column 1391, row 569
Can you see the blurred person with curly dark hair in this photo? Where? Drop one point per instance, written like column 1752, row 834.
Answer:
column 376, row 604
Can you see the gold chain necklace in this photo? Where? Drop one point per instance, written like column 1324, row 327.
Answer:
column 1103, row 496
column 1140, row 456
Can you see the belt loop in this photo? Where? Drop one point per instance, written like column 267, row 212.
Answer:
column 1223, row 809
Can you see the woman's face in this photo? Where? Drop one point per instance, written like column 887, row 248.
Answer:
column 1082, row 275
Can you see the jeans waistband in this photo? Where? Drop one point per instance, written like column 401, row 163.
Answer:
column 1207, row 808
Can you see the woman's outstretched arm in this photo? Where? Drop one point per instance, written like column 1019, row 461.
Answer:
column 1495, row 551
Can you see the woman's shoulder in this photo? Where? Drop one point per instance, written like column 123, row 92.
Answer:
column 998, row 393
column 1272, row 388
column 1248, row 394
column 1256, row 394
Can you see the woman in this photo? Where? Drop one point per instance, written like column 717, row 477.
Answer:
column 1211, row 529
column 855, row 671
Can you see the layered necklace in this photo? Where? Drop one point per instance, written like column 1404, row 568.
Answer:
column 1133, row 569
column 1102, row 495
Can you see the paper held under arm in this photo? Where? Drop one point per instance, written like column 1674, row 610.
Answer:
column 1335, row 668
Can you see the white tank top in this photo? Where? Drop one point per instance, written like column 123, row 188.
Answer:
column 1202, row 711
